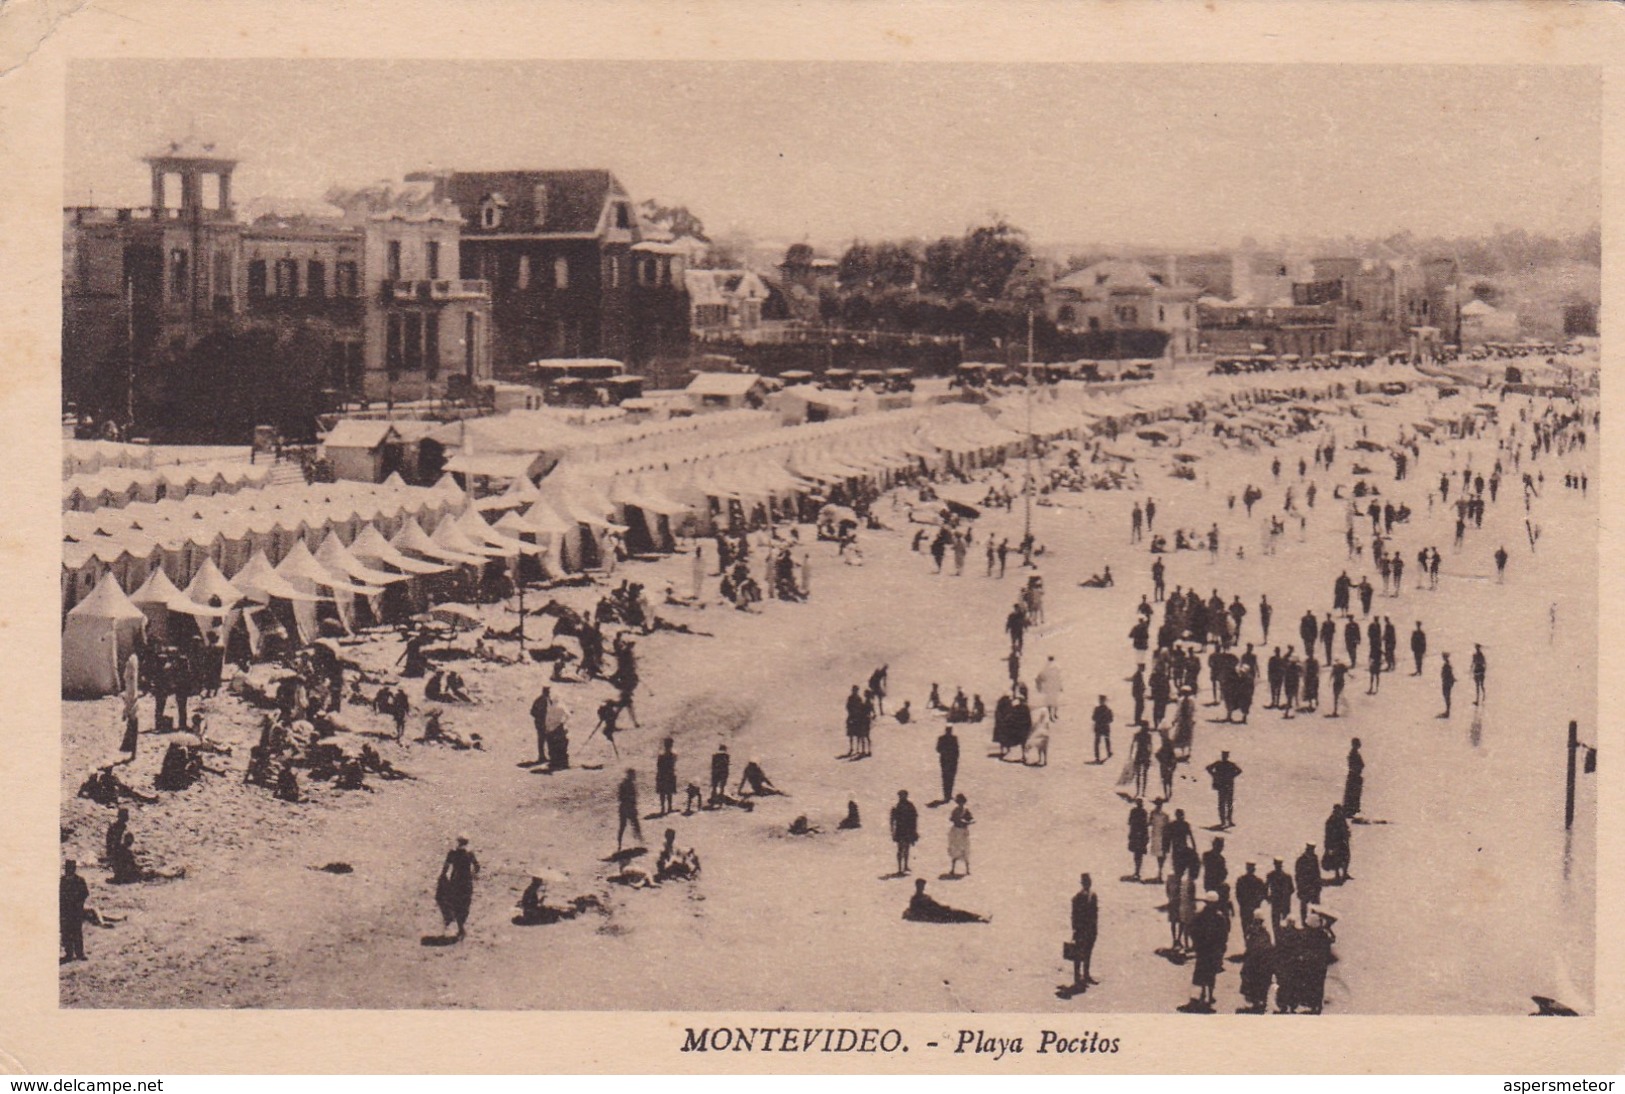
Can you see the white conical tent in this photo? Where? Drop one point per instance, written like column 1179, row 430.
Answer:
column 301, row 568
column 475, row 528
column 413, row 538
column 100, row 634
column 260, row 581
column 544, row 521
column 339, row 559
column 451, row 537
column 155, row 599
column 371, row 546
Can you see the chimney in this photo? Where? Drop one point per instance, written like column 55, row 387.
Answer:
column 440, row 178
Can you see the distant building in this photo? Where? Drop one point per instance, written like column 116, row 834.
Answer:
column 1116, row 295
column 371, row 280
column 725, row 300
column 1482, row 322
column 568, row 278
column 1284, row 305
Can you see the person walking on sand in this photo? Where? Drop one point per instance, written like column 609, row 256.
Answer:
column 627, row 803
column 905, row 829
column 1139, row 835
column 666, row 777
column 948, row 761
column 1103, row 730
column 1224, row 774
column 1354, row 780
column 1085, row 929
column 1447, row 682
column 959, row 823
column 454, row 892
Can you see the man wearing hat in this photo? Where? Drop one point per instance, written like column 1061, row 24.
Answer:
column 1306, row 872
column 721, row 764
column 1085, row 927
column 1279, row 888
column 72, row 893
column 1250, row 892
column 1103, row 730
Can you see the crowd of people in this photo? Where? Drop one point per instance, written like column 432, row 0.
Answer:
column 1283, row 925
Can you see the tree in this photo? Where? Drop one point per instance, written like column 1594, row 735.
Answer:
column 945, row 267
column 798, row 256
column 856, row 269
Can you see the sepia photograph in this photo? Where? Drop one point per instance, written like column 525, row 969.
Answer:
column 830, row 536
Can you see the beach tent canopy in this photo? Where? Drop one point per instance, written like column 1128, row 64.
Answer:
column 341, row 561
column 371, row 545
column 100, row 634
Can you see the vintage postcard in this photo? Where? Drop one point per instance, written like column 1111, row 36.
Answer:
column 916, row 538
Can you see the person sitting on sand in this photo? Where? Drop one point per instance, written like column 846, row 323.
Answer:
column 960, row 711
column 1098, row 581
column 105, row 788
column 434, row 732
column 978, row 709
column 454, row 688
column 673, row 864
column 760, row 784
column 851, row 820
column 127, row 868
column 903, row 714
column 923, row 909
column 935, row 701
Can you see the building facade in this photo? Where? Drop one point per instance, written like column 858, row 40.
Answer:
column 1121, row 296
column 557, row 248
column 368, row 282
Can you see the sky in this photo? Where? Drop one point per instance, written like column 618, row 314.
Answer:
column 1129, row 155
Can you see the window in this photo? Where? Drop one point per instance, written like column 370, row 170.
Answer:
column 470, row 328
column 346, row 280
column 222, row 280
column 1094, row 322
column 431, row 259
column 431, row 345
column 392, row 350
column 178, row 271
column 1067, row 314
column 287, row 277
column 256, row 279
column 1161, row 317
column 623, row 215
column 412, row 336
column 172, row 190
column 394, row 273
column 210, row 191
column 316, row 278
column 524, row 271
column 491, row 211
column 538, row 201
column 561, row 272
column 649, row 271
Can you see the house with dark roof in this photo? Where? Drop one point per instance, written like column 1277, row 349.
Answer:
column 557, row 248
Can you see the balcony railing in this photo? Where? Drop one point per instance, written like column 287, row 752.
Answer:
column 453, row 289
